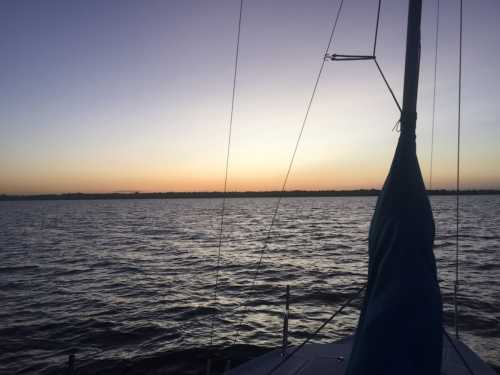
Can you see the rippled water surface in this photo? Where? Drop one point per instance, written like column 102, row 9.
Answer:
column 130, row 283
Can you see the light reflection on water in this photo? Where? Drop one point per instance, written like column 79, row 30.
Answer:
column 121, row 279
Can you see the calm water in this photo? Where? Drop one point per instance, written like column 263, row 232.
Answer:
column 131, row 282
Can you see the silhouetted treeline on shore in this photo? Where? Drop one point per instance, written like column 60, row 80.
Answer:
column 218, row 194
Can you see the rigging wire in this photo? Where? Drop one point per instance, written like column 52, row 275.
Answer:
column 459, row 125
column 304, row 121
column 388, row 86
column 436, row 44
column 459, row 353
column 376, row 28
column 219, row 245
column 375, row 57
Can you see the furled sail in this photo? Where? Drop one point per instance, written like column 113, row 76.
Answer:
column 400, row 327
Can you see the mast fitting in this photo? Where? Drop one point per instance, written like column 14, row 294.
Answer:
column 341, row 57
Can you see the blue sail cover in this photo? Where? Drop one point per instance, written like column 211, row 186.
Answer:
column 400, row 327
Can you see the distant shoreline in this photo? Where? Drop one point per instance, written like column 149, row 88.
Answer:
column 217, row 194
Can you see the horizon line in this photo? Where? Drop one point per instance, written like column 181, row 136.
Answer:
column 230, row 194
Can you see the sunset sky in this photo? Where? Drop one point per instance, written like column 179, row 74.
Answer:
column 103, row 96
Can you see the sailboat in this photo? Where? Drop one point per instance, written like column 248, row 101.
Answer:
column 400, row 328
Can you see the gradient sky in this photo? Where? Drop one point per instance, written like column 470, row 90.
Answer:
column 102, row 95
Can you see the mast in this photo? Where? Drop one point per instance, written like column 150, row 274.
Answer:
column 412, row 68
column 400, row 325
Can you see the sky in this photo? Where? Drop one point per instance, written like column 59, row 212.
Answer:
column 106, row 96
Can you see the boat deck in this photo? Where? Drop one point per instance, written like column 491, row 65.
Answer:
column 317, row 359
